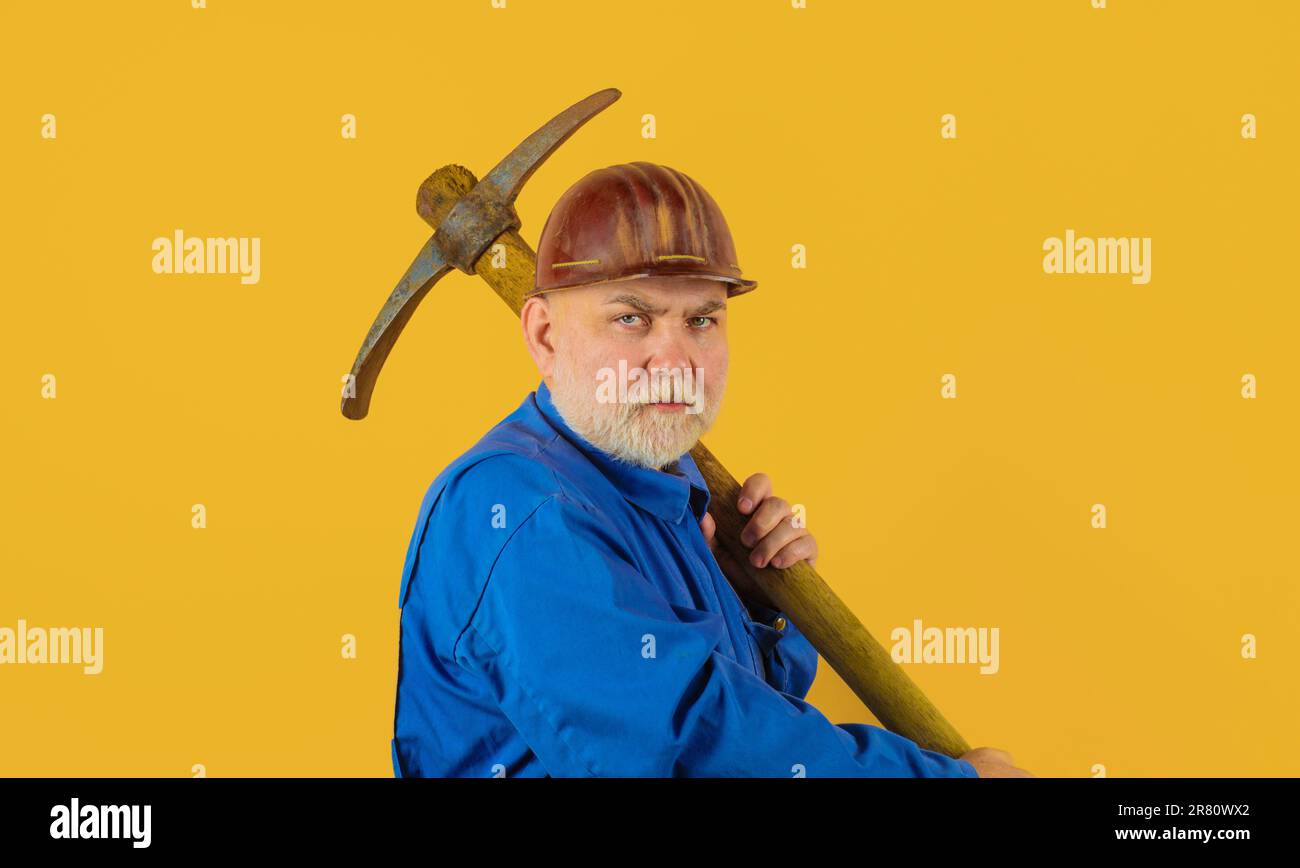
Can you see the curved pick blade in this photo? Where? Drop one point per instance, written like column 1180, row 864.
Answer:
column 510, row 175
column 427, row 268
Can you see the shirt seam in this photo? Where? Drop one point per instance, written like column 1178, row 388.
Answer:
column 577, row 755
column 557, row 497
column 492, row 569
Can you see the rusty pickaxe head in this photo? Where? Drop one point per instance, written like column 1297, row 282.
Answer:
column 465, row 234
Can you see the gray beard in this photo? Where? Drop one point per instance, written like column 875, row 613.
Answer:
column 629, row 432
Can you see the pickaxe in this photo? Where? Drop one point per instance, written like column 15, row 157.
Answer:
column 469, row 218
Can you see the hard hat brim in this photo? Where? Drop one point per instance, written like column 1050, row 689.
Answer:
column 736, row 285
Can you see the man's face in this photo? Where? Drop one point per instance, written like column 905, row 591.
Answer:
column 639, row 366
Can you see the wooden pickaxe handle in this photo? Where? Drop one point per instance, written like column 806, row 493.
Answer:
column 798, row 591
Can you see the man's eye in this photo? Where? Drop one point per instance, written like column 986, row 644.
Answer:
column 702, row 321
column 629, row 316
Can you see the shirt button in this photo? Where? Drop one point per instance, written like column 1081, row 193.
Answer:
column 779, row 624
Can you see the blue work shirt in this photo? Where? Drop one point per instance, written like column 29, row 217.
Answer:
column 562, row 615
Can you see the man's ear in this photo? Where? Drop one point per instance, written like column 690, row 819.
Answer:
column 537, row 317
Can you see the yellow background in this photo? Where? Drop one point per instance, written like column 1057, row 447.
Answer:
column 819, row 127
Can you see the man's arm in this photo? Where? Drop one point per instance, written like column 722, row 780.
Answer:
column 602, row 676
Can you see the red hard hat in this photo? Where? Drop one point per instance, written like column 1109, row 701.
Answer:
column 635, row 220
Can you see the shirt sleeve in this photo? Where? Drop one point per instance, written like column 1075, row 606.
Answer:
column 602, row 676
column 791, row 660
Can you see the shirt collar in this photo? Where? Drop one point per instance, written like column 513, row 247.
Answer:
column 667, row 494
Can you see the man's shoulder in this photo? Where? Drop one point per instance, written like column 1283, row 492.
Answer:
column 504, row 477
column 524, row 459
column 473, row 506
column 514, row 457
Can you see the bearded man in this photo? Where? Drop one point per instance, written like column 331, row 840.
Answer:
column 562, row 611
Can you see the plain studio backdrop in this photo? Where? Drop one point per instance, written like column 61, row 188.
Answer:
column 817, row 130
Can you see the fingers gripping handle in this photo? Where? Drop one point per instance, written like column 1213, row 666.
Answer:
column 829, row 624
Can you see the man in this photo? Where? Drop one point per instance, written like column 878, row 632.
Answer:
column 562, row 611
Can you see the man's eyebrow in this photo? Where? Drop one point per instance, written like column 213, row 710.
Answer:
column 635, row 302
column 709, row 307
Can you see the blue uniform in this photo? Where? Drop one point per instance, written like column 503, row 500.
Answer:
column 562, row 615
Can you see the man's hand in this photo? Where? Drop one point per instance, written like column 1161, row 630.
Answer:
column 770, row 534
column 993, row 763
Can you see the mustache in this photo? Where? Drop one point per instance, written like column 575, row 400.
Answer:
column 666, row 396
column 665, row 387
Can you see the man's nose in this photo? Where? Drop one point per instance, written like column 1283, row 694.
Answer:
column 668, row 348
